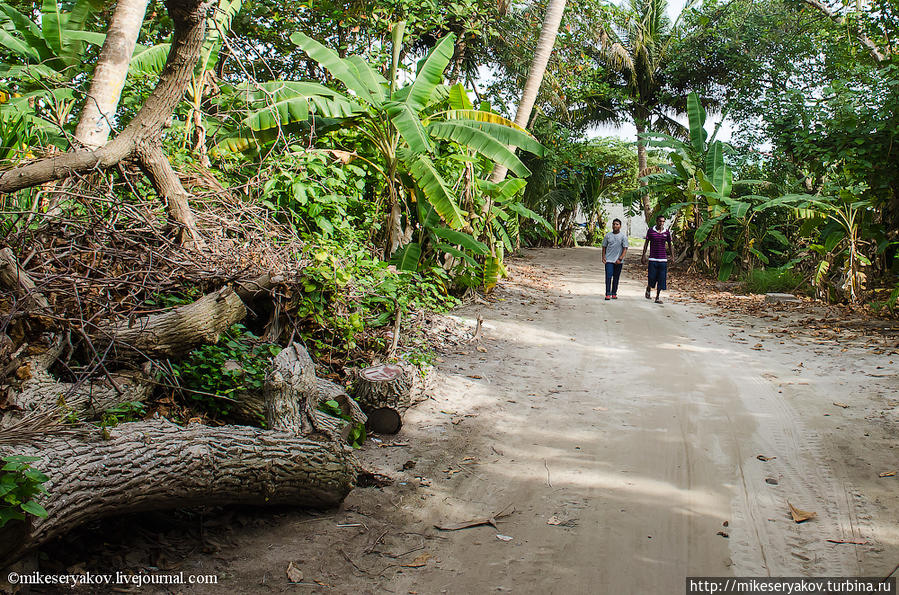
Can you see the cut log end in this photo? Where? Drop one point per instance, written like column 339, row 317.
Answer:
column 384, row 420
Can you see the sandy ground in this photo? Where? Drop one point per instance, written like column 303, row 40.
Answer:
column 625, row 435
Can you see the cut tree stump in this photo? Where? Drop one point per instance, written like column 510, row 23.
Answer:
column 384, row 392
column 292, row 387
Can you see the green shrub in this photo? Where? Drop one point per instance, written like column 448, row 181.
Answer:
column 777, row 280
column 212, row 375
column 346, row 291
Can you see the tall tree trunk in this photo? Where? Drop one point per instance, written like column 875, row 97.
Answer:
column 458, row 59
column 109, row 75
column 641, row 169
column 545, row 44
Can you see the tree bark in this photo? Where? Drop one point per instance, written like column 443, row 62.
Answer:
column 157, row 465
column 15, row 280
column 175, row 332
column 545, row 44
column 287, row 387
column 167, row 184
column 41, row 390
column 250, row 407
column 110, row 73
column 145, row 128
column 384, row 393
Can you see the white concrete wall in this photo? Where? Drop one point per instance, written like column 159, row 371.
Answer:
column 634, row 227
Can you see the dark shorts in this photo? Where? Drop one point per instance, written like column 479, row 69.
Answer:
column 658, row 274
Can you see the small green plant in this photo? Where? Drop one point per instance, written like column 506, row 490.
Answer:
column 212, row 375
column 19, row 484
column 69, row 415
column 889, row 304
column 357, row 433
column 123, row 412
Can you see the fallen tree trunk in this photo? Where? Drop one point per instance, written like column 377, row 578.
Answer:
column 41, row 391
column 384, row 393
column 176, row 332
column 156, row 465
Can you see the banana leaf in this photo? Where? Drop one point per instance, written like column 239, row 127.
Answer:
column 435, row 190
column 462, row 239
column 430, row 74
column 407, row 257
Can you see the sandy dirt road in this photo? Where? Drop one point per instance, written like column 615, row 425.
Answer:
column 626, row 436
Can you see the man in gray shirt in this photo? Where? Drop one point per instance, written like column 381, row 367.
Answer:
column 614, row 247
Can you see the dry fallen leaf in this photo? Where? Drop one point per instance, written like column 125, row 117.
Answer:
column 763, row 458
column 344, row 157
column 758, row 346
column 887, row 474
column 491, row 520
column 554, row 520
column 852, row 541
column 800, row 515
column 504, row 537
column 420, row 561
column 294, row 574
column 481, row 349
column 843, row 405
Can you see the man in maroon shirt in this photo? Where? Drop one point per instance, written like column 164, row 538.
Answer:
column 657, row 239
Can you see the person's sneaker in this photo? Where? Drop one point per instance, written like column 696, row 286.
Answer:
column 608, row 298
column 614, row 297
column 648, row 293
column 658, row 301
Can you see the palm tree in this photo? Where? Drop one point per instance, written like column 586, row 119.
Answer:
column 110, row 73
column 545, row 44
column 638, row 49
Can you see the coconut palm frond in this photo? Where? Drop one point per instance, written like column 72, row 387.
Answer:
column 613, row 52
column 667, row 125
column 656, row 22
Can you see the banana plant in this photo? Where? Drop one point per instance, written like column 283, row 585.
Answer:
column 45, row 56
column 406, row 125
column 703, row 183
column 53, row 49
column 841, row 240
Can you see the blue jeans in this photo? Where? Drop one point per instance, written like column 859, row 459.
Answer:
column 613, row 273
column 658, row 274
